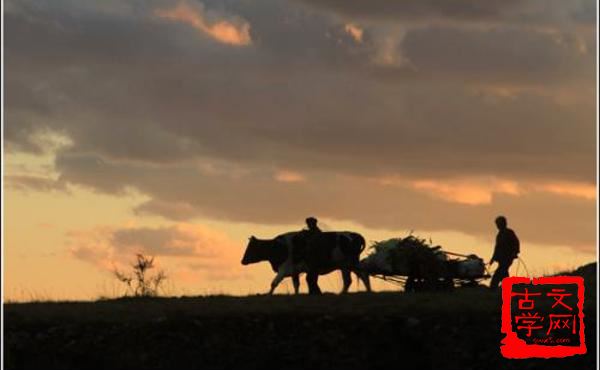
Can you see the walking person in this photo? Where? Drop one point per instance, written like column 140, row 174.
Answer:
column 506, row 250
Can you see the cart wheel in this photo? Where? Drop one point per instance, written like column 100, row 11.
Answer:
column 410, row 285
column 447, row 284
column 469, row 283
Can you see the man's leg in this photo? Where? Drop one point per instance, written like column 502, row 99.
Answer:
column 500, row 273
column 311, row 280
column 495, row 279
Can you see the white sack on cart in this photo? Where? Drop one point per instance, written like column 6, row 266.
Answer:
column 381, row 261
column 472, row 267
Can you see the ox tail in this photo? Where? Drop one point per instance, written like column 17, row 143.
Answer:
column 362, row 241
column 360, row 274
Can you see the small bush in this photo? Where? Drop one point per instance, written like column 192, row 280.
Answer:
column 139, row 282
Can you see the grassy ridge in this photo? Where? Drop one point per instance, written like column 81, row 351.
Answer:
column 446, row 330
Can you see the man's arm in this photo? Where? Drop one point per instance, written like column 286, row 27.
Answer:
column 495, row 254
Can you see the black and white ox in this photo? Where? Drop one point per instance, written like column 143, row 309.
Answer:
column 293, row 253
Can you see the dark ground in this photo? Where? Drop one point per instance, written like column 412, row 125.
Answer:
column 456, row 330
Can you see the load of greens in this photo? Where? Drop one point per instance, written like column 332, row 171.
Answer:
column 404, row 256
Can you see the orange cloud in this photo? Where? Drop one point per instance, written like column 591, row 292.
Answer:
column 193, row 246
column 478, row 191
column 474, row 192
column 233, row 31
column 571, row 189
column 195, row 258
column 354, row 31
column 471, row 191
column 289, row 176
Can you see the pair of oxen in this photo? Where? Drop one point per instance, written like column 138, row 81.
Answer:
column 315, row 254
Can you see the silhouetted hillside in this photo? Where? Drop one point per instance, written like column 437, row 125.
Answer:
column 446, row 330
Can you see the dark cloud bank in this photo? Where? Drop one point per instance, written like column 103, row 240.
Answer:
column 501, row 89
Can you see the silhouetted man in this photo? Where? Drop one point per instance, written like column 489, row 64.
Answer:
column 311, row 223
column 308, row 240
column 506, row 250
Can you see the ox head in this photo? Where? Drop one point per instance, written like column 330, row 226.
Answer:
column 256, row 251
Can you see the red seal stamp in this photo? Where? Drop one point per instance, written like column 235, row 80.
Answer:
column 543, row 317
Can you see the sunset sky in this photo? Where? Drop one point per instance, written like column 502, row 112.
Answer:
column 180, row 128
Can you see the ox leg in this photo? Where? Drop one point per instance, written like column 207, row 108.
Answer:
column 296, row 281
column 313, row 286
column 280, row 275
column 347, row 280
column 364, row 277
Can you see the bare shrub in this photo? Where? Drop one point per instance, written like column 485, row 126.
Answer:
column 139, row 282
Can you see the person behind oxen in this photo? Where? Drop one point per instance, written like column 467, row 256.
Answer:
column 313, row 231
column 311, row 223
column 506, row 250
column 306, row 240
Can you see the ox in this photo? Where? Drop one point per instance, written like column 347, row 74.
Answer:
column 316, row 254
column 279, row 253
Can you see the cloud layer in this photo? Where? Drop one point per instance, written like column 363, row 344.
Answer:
column 233, row 32
column 415, row 114
column 183, row 250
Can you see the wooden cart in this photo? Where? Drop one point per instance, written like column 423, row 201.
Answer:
column 446, row 271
